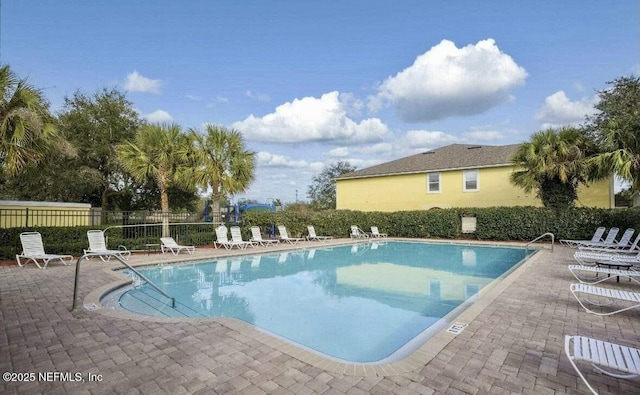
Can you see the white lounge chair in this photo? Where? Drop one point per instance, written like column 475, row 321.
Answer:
column 597, row 237
column 98, row 245
column 236, row 237
column 284, row 236
column 625, row 239
column 357, row 233
column 33, row 251
column 630, row 258
column 609, row 358
column 314, row 236
column 169, row 244
column 609, row 241
column 256, row 237
column 223, row 240
column 376, row 233
column 607, row 273
column 615, row 245
column 631, row 249
column 585, row 293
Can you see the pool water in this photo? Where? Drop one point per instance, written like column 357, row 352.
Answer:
column 358, row 303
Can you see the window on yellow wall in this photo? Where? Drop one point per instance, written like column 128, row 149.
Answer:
column 433, row 182
column 470, row 181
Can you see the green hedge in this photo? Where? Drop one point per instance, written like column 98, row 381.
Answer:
column 494, row 223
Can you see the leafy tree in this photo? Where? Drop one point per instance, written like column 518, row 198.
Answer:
column 616, row 128
column 322, row 191
column 624, row 198
column 299, row 207
column 160, row 152
column 146, row 196
column 95, row 125
column 27, row 130
column 221, row 163
column 553, row 164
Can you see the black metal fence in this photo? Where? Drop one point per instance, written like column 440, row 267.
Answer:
column 147, row 236
column 37, row 217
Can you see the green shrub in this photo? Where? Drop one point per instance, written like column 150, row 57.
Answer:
column 492, row 223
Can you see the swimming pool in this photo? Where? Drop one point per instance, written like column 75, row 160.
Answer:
column 363, row 303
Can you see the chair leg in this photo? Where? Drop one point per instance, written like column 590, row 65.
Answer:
column 568, row 341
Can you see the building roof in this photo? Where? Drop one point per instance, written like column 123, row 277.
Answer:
column 454, row 156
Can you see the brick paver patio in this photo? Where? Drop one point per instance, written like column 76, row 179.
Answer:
column 513, row 343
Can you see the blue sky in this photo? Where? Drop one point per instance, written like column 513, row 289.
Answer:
column 309, row 83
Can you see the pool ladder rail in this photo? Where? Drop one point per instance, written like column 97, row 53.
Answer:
column 119, row 258
column 526, row 248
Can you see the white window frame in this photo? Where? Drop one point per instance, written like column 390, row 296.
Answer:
column 464, row 180
column 439, row 182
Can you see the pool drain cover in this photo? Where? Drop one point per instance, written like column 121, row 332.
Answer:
column 457, row 328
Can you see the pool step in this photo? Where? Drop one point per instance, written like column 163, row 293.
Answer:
column 147, row 301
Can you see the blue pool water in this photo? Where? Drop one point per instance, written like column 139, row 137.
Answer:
column 357, row 303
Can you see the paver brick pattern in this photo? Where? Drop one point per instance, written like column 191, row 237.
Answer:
column 515, row 345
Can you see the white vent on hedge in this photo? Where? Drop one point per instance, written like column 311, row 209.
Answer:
column 468, row 224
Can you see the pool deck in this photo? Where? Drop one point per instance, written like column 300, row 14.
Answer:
column 513, row 342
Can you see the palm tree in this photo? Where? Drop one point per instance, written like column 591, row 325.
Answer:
column 223, row 163
column 27, row 130
column 616, row 127
column 554, row 163
column 159, row 151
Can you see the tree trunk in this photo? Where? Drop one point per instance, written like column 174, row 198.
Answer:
column 215, row 206
column 164, row 206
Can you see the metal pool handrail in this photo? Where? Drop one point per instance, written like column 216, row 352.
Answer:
column 526, row 248
column 118, row 257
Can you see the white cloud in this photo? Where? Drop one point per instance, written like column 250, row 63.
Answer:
column 216, row 101
column 339, row 152
column 158, row 116
column 137, row 83
column 258, row 96
column 483, row 135
column 267, row 159
column 380, row 148
column 352, row 104
column 312, row 119
column 447, row 81
column 193, row 97
column 421, row 139
column 558, row 110
column 364, row 163
column 316, row 167
column 375, row 149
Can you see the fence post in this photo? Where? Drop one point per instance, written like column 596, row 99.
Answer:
column 26, row 218
column 95, row 214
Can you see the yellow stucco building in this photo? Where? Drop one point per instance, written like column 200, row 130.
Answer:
column 456, row 175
